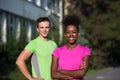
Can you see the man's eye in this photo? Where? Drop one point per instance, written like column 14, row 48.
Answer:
column 47, row 27
column 40, row 27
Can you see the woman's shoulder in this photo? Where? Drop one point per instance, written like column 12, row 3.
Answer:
column 60, row 47
column 83, row 46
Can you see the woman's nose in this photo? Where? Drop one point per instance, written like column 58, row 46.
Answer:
column 71, row 34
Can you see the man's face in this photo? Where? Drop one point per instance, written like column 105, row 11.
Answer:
column 43, row 29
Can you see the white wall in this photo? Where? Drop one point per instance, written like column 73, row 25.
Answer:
column 22, row 8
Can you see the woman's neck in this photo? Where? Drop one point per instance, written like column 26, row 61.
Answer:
column 71, row 46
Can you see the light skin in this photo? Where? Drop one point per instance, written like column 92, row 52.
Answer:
column 43, row 30
column 71, row 34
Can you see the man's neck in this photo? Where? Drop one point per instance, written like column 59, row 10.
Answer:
column 43, row 38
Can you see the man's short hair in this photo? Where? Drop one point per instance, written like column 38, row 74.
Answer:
column 42, row 19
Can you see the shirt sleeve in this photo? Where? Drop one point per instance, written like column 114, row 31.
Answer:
column 87, row 52
column 55, row 45
column 30, row 47
column 56, row 53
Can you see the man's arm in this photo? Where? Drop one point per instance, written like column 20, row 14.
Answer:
column 80, row 72
column 55, row 72
column 20, row 62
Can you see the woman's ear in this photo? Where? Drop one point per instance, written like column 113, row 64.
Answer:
column 64, row 35
column 78, row 33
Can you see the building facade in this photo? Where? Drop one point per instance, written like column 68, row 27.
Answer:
column 17, row 18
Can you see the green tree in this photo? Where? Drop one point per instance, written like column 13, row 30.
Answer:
column 100, row 21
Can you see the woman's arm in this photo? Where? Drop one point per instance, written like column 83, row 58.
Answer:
column 55, row 72
column 80, row 72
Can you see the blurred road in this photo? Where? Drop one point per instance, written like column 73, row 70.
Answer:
column 108, row 74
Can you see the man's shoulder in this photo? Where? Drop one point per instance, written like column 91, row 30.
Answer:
column 33, row 41
column 52, row 43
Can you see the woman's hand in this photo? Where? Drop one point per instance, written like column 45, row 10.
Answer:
column 83, row 65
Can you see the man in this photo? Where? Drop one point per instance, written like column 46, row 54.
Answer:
column 42, row 48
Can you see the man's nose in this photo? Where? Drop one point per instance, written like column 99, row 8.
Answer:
column 44, row 29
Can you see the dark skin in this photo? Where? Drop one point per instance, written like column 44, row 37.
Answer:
column 71, row 35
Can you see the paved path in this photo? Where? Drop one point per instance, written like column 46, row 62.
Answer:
column 108, row 74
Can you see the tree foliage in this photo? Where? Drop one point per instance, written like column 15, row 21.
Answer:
column 100, row 21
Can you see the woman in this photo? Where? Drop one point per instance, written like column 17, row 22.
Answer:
column 70, row 61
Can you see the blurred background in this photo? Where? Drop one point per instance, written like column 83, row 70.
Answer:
column 100, row 29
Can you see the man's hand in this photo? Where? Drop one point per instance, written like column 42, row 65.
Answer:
column 36, row 79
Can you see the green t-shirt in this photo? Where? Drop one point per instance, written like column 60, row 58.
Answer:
column 43, row 50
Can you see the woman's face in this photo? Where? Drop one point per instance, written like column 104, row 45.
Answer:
column 71, row 34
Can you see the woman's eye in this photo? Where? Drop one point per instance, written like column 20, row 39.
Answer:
column 74, row 32
column 67, row 32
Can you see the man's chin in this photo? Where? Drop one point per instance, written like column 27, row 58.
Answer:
column 43, row 36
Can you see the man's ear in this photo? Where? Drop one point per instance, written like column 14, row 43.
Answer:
column 37, row 30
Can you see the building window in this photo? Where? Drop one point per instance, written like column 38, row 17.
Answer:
column 3, row 27
column 34, row 32
column 0, row 27
column 56, row 6
column 44, row 4
column 30, row 0
column 50, row 5
column 38, row 2
column 14, row 28
column 29, row 31
column 53, row 6
column 23, row 29
column 10, row 27
column 17, row 30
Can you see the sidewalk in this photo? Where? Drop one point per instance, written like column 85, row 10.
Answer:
column 108, row 74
